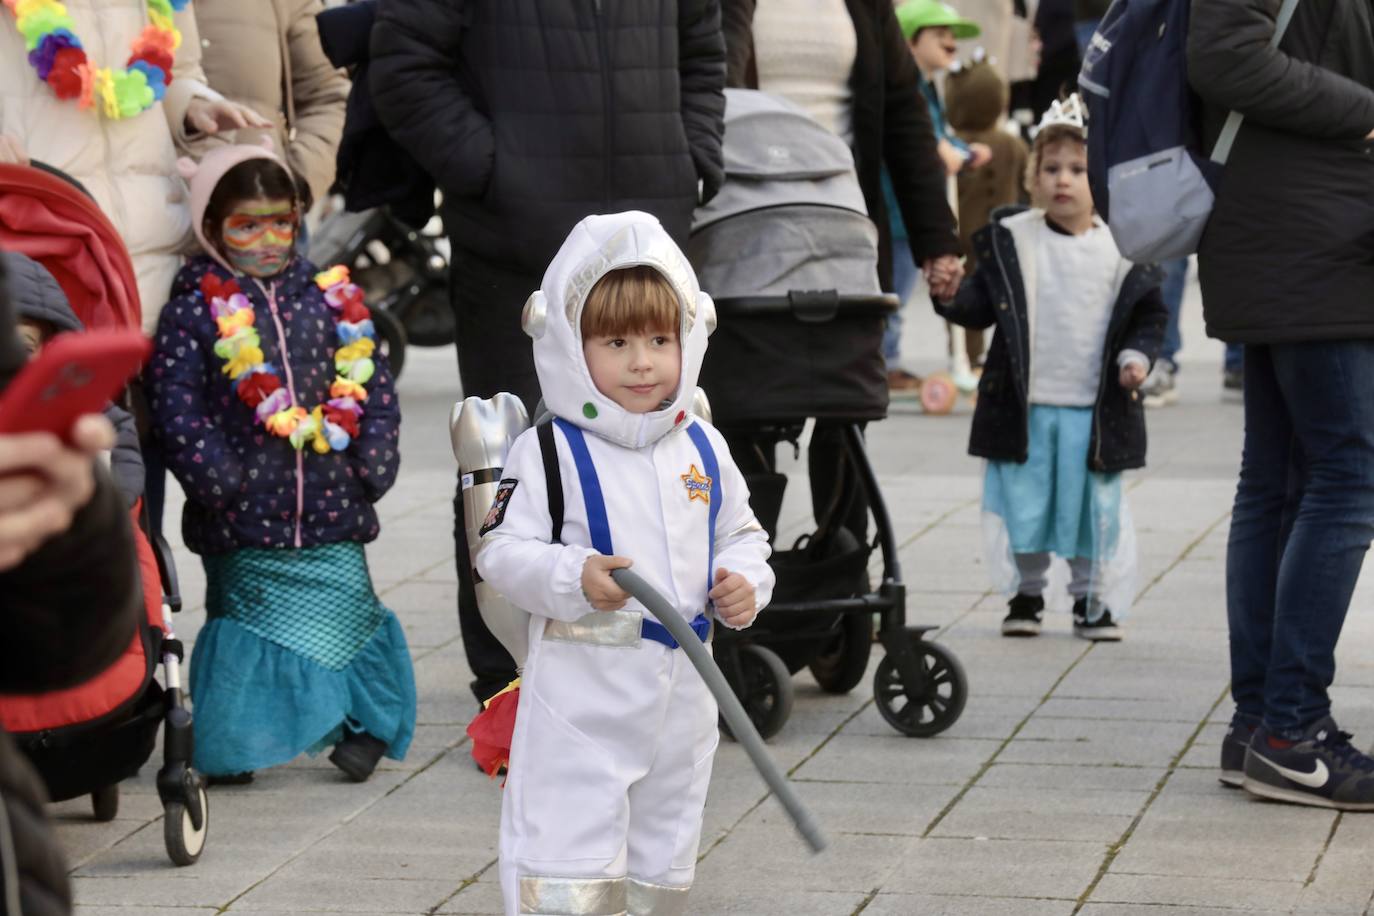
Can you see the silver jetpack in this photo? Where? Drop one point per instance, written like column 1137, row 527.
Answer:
column 482, row 431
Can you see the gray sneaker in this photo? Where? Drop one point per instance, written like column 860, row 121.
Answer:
column 1161, row 385
column 1322, row 769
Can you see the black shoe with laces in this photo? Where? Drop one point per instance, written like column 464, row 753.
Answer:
column 1322, row 769
column 357, row 755
column 1233, row 748
column 1023, row 616
column 1102, row 628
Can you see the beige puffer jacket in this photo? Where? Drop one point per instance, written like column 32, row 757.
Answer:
column 296, row 88
column 127, row 165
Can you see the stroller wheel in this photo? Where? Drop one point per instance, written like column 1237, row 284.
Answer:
column 938, row 393
column 184, row 841
column 841, row 665
column 105, row 802
column 764, row 686
column 932, row 712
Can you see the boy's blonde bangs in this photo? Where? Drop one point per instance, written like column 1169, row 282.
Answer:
column 631, row 300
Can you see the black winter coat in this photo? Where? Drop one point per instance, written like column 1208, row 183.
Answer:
column 60, row 629
column 891, row 127
column 1288, row 254
column 996, row 295
column 533, row 114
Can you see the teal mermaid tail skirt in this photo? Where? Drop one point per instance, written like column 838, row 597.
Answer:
column 297, row 648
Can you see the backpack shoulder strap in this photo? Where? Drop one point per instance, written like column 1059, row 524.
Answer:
column 553, row 480
column 1227, row 138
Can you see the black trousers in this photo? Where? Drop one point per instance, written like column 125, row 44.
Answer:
column 494, row 355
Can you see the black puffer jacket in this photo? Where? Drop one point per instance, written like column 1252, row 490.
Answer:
column 996, row 295
column 531, row 114
column 59, row 629
column 1289, row 252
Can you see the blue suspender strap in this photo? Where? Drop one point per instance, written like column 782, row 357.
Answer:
column 656, row 631
column 712, row 470
column 597, row 522
column 599, row 525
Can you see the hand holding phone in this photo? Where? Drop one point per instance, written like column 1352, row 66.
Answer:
column 74, row 374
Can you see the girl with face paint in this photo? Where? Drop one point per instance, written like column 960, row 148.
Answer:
column 279, row 418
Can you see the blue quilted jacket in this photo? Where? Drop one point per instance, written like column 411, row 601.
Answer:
column 244, row 486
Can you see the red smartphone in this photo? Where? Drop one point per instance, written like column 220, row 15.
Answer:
column 74, row 374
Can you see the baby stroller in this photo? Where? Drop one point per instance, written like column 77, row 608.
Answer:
column 85, row 739
column 789, row 254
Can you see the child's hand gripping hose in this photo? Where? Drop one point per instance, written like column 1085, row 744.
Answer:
column 729, row 704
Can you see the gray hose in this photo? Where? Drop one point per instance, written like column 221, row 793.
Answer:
column 729, row 704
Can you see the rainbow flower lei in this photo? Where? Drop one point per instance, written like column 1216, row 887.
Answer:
column 61, row 61
column 332, row 425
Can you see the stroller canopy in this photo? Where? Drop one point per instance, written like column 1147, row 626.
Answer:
column 50, row 218
column 791, row 214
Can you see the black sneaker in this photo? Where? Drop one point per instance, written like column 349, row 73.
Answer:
column 1102, row 629
column 357, row 755
column 1023, row 617
column 1233, row 748
column 1323, row 769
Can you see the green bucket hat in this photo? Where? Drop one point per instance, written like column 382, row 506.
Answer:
column 915, row 15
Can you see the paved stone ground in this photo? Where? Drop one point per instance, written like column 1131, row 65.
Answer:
column 1080, row 779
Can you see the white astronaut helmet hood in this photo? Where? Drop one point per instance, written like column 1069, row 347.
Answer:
column 553, row 318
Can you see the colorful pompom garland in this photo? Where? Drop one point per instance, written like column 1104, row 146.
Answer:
column 332, row 425
column 58, row 56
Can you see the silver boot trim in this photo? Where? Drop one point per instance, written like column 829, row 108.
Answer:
column 544, row 895
column 647, row 899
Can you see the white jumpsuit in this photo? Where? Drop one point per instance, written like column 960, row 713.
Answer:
column 613, row 742
column 615, row 734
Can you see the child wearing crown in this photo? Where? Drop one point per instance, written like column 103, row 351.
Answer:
column 616, row 731
column 279, row 418
column 1059, row 413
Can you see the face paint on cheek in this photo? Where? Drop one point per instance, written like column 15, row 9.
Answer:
column 259, row 237
column 264, row 255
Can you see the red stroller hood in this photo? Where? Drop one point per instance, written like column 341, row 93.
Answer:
column 53, row 221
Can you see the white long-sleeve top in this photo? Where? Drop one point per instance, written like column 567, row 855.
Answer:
column 654, row 520
column 1078, row 278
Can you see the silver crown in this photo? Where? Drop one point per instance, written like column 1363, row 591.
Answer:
column 1068, row 113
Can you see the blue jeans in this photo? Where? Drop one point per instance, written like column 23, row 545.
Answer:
column 1171, row 289
column 1303, row 520
column 904, row 274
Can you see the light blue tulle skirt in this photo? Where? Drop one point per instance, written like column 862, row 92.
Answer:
column 1052, row 503
column 297, row 648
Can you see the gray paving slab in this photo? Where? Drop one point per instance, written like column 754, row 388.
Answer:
column 1080, row 780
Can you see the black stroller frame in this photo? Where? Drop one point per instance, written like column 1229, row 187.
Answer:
column 919, row 687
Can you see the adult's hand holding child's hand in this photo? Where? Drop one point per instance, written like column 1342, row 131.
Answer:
column 733, row 596
column 597, row 585
column 943, row 276
column 1133, row 375
column 43, row 482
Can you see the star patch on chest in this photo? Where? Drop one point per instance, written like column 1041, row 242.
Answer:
column 698, row 485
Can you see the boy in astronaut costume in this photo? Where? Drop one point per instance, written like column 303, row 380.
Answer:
column 616, row 731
